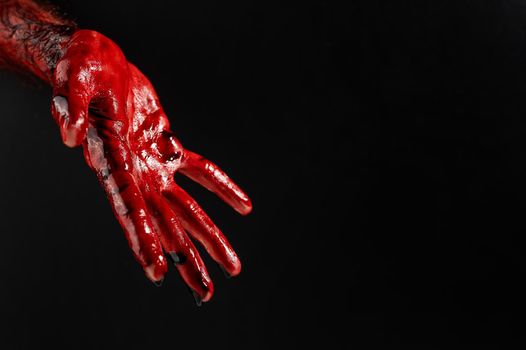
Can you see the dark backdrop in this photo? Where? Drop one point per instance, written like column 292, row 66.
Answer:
column 381, row 143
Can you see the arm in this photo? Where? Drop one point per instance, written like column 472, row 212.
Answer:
column 32, row 37
column 106, row 105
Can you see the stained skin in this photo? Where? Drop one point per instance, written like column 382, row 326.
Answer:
column 104, row 104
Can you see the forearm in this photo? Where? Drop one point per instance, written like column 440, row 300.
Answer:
column 32, row 37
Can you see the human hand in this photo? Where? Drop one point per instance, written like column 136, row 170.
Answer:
column 108, row 106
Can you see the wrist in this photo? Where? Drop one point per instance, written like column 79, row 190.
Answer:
column 44, row 48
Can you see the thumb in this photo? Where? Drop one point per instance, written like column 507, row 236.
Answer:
column 71, row 115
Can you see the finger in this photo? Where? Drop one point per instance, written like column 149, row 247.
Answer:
column 180, row 248
column 202, row 228
column 71, row 117
column 130, row 209
column 128, row 205
column 214, row 179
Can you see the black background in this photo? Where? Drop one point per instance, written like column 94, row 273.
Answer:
column 382, row 144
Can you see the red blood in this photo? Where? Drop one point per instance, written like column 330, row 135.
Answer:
column 106, row 105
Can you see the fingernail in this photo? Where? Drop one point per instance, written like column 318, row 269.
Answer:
column 159, row 282
column 177, row 259
column 225, row 272
column 197, row 298
column 61, row 106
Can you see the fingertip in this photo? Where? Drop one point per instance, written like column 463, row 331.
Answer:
column 233, row 270
column 72, row 127
column 236, row 270
column 150, row 273
column 73, row 137
column 203, row 293
column 198, row 282
column 235, row 267
column 245, row 208
column 207, row 294
column 159, row 283
column 59, row 107
column 237, row 199
column 155, row 271
column 205, row 289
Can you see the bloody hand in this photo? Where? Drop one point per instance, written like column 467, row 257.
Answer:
column 105, row 104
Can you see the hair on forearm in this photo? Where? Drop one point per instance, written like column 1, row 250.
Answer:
column 36, row 29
